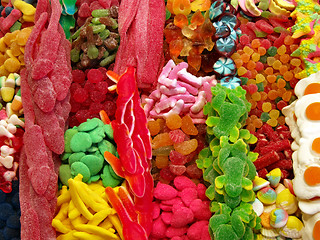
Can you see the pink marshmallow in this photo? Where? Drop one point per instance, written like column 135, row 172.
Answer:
column 207, row 90
column 201, row 209
column 167, row 69
column 195, row 230
column 176, row 109
column 182, row 217
column 148, row 106
column 192, row 90
column 172, row 91
column 166, row 217
column 174, row 72
column 197, row 115
column 200, row 102
column 185, row 97
column 164, row 192
column 173, row 232
column 165, row 104
column 198, row 120
column 189, row 78
column 159, row 228
column 170, row 83
column 155, row 95
column 182, row 182
column 188, row 195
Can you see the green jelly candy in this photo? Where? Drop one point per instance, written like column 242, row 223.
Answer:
column 265, row 116
column 97, row 153
column 67, row 22
column 92, row 149
column 80, row 167
column 98, row 28
column 263, row 59
column 96, row 21
column 225, row 232
column 100, row 13
column 260, row 87
column 113, row 174
column 16, row 26
column 97, row 134
column 65, row 157
column 75, row 55
column 104, row 34
column 93, row 179
column 238, row 225
column 68, row 135
column 168, row 14
column 93, row 162
column 272, row 51
column 80, row 142
column 105, row 145
column 89, row 125
column 107, row 179
column 244, row 80
column 75, row 157
column 93, row 52
column 106, row 54
column 64, row 174
column 106, row 61
column 108, row 130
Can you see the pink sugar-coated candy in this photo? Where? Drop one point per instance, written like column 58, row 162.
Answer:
column 84, row 11
column 205, row 233
column 181, row 217
column 201, row 189
column 189, row 78
column 176, row 206
column 95, row 5
column 166, row 70
column 172, row 201
column 182, row 182
column 166, row 208
column 44, row 94
column 199, row 103
column 176, row 238
column 7, row 23
column 177, row 169
column 190, row 89
column 170, row 83
column 176, row 136
column 176, row 157
column 185, row 97
column 42, row 7
column 188, row 195
column 159, row 228
column 172, row 91
column 201, row 209
column 166, row 217
column 174, row 73
column 164, row 104
column 173, row 232
column 195, row 230
column 156, row 210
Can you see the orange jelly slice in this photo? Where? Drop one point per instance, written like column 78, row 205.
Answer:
column 312, row 175
column 312, row 88
column 313, row 111
column 316, row 145
column 316, row 231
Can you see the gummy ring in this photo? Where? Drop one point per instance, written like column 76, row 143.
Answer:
column 225, row 66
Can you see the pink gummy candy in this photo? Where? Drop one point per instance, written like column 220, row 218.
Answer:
column 156, row 210
column 173, row 232
column 44, row 95
column 177, row 206
column 195, row 230
column 182, row 182
column 172, row 201
column 188, row 195
column 176, row 238
column 158, row 229
column 201, row 209
column 182, row 217
column 167, row 217
column 201, row 189
column 164, row 192
column 166, row 208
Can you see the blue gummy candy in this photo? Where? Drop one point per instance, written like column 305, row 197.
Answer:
column 15, row 201
column 5, row 211
column 1, row 8
column 8, row 10
column 2, row 224
column 10, row 233
column 14, row 221
column 2, row 196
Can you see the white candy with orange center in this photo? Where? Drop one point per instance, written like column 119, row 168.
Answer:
column 311, row 229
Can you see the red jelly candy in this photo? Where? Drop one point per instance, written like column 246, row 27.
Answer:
column 264, row 26
column 177, row 136
column 166, row 174
column 102, row 87
column 177, row 169
column 78, row 76
column 177, row 158
column 265, row 43
column 94, row 76
column 80, row 95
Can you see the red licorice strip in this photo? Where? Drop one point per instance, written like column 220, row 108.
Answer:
column 285, row 164
column 275, row 146
column 266, row 160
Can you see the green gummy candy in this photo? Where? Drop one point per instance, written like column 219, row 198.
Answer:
column 75, row 55
column 68, row 135
column 218, row 220
column 93, row 52
column 225, row 232
column 168, row 14
column 97, row 153
column 106, row 61
column 16, row 26
column 104, row 34
column 80, row 142
column 260, row 87
column 65, row 157
column 93, row 162
column 113, row 174
column 95, row 21
column 93, row 179
column 100, row 13
column 108, row 130
column 244, row 80
column 75, row 157
column 272, row 51
column 232, row 202
column 105, row 145
column 79, row 167
column 98, row 28
column 92, row 149
column 265, row 116
column 107, row 179
column 64, row 174
column 237, row 225
column 89, row 125
column 97, row 134
column 210, row 192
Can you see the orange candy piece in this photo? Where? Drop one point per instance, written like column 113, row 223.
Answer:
column 187, row 126
column 313, row 111
column 312, row 88
column 316, row 145
column 154, row 127
column 316, row 231
column 186, row 147
column 161, row 140
column 312, row 175
column 162, row 161
column 180, row 21
column 181, row 7
column 173, row 121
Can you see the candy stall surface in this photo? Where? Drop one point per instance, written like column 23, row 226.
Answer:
column 171, row 119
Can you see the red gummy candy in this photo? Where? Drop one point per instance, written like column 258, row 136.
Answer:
column 265, row 43
column 177, row 136
column 78, row 76
column 263, row 173
column 177, row 158
column 84, row 11
column 266, row 160
column 177, row 169
column 94, row 76
column 80, row 95
column 264, row 26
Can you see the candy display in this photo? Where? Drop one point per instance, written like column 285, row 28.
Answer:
column 171, row 119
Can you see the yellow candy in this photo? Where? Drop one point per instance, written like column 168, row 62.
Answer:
column 57, row 224
column 12, row 64
column 99, row 231
column 68, row 236
column 63, row 213
column 106, row 224
column 79, row 220
column 25, row 8
column 28, row 18
column 100, row 216
column 3, row 46
column 293, row 228
column 287, row 201
column 86, row 236
column 7, row 93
